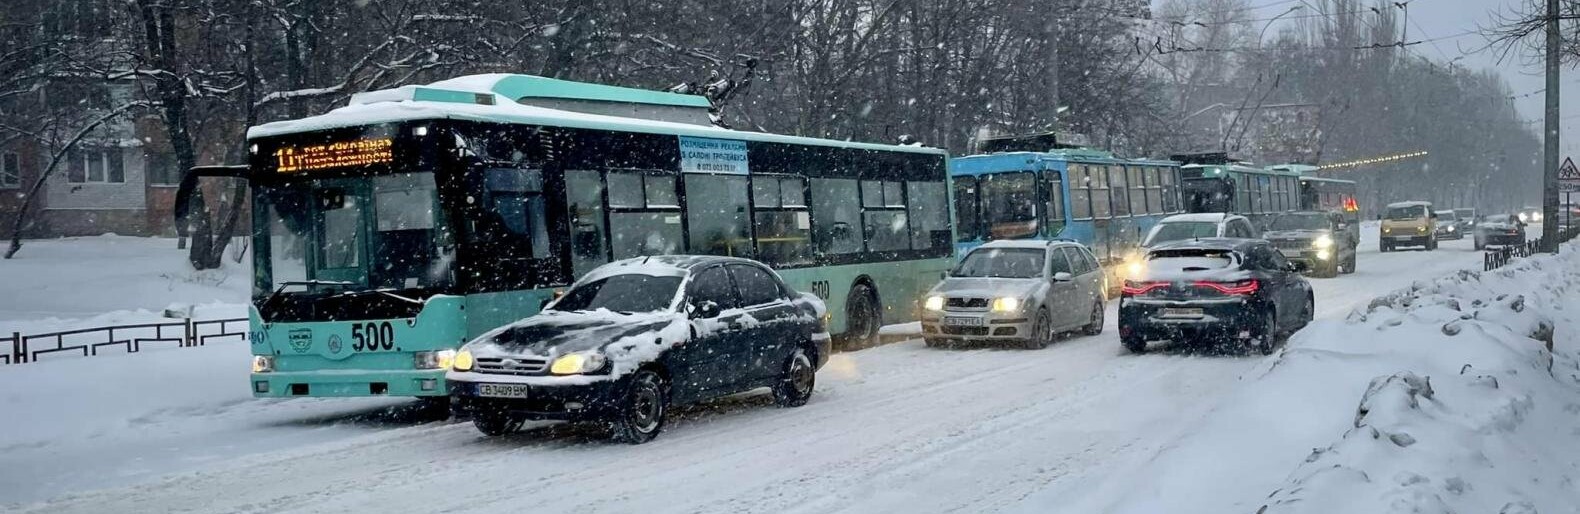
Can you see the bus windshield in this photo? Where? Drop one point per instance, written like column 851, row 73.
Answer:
column 1009, row 205
column 355, row 233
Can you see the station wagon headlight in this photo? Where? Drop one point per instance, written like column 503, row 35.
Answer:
column 577, row 363
column 934, row 303
column 462, row 361
column 1006, row 304
column 440, row 359
column 1323, row 241
column 262, row 363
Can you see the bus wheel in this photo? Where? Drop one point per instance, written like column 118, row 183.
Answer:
column 862, row 318
column 433, row 407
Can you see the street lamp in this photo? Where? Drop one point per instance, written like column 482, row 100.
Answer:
column 1259, row 35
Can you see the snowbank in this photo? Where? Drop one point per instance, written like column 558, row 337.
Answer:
column 81, row 282
column 82, row 424
column 1442, row 397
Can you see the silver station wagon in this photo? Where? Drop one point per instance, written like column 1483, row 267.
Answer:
column 1023, row 292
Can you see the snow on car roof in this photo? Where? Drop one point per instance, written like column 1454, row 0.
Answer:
column 389, row 106
column 1413, row 203
column 1210, row 217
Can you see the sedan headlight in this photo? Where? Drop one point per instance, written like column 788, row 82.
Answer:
column 462, row 361
column 1525, row 217
column 577, row 363
column 1323, row 241
column 439, row 359
column 262, row 363
column 1006, row 304
column 934, row 303
column 1387, row 230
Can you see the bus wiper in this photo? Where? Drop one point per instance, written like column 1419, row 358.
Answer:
column 385, row 292
column 308, row 283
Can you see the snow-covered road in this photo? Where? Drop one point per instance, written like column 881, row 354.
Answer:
column 896, row 428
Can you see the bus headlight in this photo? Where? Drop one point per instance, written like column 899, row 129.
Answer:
column 262, row 363
column 441, row 359
column 934, row 303
column 577, row 363
column 462, row 361
column 1322, row 242
column 1006, row 304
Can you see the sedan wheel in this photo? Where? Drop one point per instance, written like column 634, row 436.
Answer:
column 795, row 387
column 1266, row 336
column 1095, row 325
column 642, row 416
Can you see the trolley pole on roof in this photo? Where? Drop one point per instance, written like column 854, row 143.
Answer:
column 1550, row 148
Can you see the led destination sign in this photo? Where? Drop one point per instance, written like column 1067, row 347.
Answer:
column 339, row 154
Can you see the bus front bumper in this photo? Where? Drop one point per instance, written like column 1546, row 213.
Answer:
column 348, row 383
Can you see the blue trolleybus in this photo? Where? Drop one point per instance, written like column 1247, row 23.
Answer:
column 1102, row 201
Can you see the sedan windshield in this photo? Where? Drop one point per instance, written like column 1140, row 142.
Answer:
column 621, row 293
column 1300, row 222
column 1181, row 230
column 1002, row 263
column 1446, row 216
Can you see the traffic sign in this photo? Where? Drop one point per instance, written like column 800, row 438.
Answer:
column 1568, row 172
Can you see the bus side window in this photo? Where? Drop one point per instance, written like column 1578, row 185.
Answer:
column 836, row 213
column 1080, row 193
column 644, row 214
column 716, row 215
column 783, row 225
column 883, row 203
column 966, row 208
column 928, row 210
column 1055, row 201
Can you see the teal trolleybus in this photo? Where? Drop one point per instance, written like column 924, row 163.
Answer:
column 388, row 232
column 1090, row 196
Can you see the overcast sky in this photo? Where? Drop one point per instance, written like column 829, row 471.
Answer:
column 1433, row 19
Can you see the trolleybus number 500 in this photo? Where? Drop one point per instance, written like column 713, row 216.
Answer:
column 372, row 336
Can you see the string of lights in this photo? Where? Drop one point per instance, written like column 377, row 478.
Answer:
column 1372, row 160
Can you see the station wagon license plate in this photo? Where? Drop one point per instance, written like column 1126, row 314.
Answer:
column 963, row 322
column 1175, row 312
column 503, row 390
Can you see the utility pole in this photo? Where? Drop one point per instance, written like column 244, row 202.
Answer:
column 1052, row 35
column 1550, row 149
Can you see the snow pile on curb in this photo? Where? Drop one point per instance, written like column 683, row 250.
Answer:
column 1443, row 397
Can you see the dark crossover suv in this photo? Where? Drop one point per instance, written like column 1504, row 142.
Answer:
column 634, row 337
column 1499, row 230
column 1241, row 290
column 1320, row 240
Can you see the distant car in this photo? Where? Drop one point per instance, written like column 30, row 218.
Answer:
column 1448, row 226
column 1241, row 290
column 1190, row 226
column 1321, row 240
column 1408, row 224
column 1499, row 230
column 634, row 337
column 1467, row 219
column 1530, row 215
column 1017, row 291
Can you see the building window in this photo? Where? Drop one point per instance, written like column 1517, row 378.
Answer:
column 10, row 170
column 161, row 168
column 96, row 165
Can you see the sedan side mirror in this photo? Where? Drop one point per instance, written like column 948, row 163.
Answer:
column 1063, row 276
column 705, row 309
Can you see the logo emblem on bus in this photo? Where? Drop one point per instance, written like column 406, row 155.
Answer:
column 301, row 339
column 334, row 343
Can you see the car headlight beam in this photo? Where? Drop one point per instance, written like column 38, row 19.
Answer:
column 1323, row 241
column 262, row 363
column 462, row 361
column 434, row 359
column 577, row 363
column 934, row 303
column 1006, row 304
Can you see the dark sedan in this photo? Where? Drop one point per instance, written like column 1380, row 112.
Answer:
column 1499, row 230
column 635, row 337
column 1240, row 290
